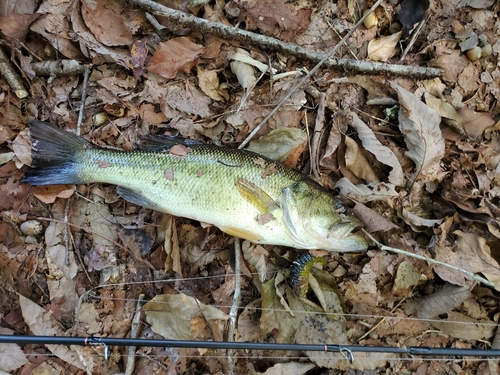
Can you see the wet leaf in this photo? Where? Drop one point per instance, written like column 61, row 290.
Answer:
column 357, row 162
column 210, row 84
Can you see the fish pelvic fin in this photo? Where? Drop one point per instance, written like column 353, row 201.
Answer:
column 256, row 196
column 53, row 153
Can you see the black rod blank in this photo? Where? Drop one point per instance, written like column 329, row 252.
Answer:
column 346, row 349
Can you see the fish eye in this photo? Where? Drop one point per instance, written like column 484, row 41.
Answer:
column 340, row 208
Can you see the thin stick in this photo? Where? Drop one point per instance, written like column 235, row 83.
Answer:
column 129, row 369
column 8, row 72
column 84, row 94
column 473, row 276
column 307, row 76
column 247, row 38
column 233, row 313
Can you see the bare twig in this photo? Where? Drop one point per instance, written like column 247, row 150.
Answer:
column 233, row 313
column 247, row 38
column 58, row 68
column 307, row 76
column 129, row 369
column 84, row 94
column 413, row 39
column 473, row 276
column 318, row 131
column 9, row 73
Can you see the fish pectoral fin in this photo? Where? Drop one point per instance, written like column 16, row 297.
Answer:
column 135, row 198
column 256, row 196
column 241, row 233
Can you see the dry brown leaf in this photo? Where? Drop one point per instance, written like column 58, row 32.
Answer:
column 478, row 255
column 267, row 15
column 170, row 315
column 256, row 256
column 372, row 221
column 442, row 301
column 210, row 84
column 383, row 153
column 475, row 123
column 366, row 193
column 15, row 26
column 108, row 27
column 290, row 368
column 49, row 194
column 41, row 323
column 186, row 98
column 383, row 48
column 420, row 127
column 446, row 110
column 357, row 163
column 280, row 144
column 416, row 221
column 407, row 276
column 174, row 55
column 461, row 326
column 12, row 355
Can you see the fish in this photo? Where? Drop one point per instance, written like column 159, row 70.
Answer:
column 243, row 193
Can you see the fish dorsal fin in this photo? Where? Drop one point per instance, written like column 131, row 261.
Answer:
column 256, row 196
column 136, row 198
column 163, row 142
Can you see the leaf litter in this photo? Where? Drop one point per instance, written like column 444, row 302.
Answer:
column 424, row 180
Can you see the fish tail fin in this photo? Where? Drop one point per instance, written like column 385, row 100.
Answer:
column 53, row 152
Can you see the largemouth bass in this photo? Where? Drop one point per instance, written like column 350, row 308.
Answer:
column 242, row 193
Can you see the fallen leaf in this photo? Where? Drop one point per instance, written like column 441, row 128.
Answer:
column 256, row 256
column 417, row 221
column 366, row 193
column 282, row 144
column 447, row 111
column 442, row 301
column 290, row 368
column 245, row 74
column 420, row 127
column 357, row 163
column 461, row 326
column 372, row 221
column 12, row 355
column 475, row 123
column 383, row 153
column 108, row 27
column 383, row 48
column 49, row 194
column 170, row 315
column 407, row 276
column 210, row 84
column 174, row 55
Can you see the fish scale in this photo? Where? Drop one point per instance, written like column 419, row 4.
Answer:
column 242, row 193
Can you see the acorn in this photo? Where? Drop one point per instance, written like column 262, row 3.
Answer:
column 371, row 20
column 474, row 53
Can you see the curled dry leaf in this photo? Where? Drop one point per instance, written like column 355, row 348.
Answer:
column 245, row 74
column 383, row 48
column 416, row 221
column 283, row 144
column 466, row 328
column 447, row 111
column 357, row 162
column 442, row 301
column 383, row 153
column 372, row 221
column 420, row 127
column 12, row 355
column 210, row 84
column 366, row 193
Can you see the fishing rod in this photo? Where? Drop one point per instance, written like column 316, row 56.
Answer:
column 346, row 350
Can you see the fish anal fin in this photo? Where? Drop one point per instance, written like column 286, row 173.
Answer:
column 241, row 233
column 135, row 198
column 256, row 196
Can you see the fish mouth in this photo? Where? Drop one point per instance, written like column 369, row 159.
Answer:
column 343, row 237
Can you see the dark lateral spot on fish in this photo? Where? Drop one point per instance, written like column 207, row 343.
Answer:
column 265, row 218
column 179, row 150
column 260, row 162
column 103, row 164
column 169, row 174
column 228, row 165
column 199, row 173
column 271, row 169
